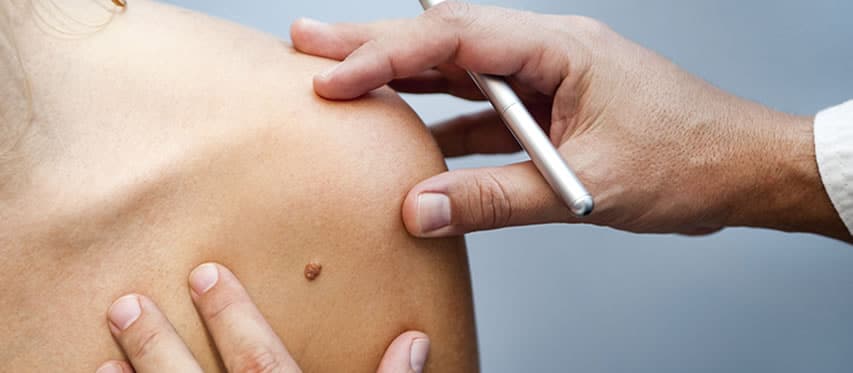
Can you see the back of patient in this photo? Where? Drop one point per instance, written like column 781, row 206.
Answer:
column 165, row 139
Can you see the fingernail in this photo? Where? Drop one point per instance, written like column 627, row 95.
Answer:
column 124, row 311
column 110, row 367
column 311, row 22
column 433, row 211
column 418, row 354
column 326, row 74
column 203, row 278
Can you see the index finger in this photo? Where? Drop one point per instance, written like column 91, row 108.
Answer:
column 482, row 39
column 147, row 337
column 245, row 341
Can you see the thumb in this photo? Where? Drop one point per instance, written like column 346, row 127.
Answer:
column 406, row 354
column 461, row 201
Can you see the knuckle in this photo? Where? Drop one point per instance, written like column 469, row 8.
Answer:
column 382, row 52
column 216, row 312
column 147, row 343
column 590, row 28
column 257, row 359
column 451, row 13
column 369, row 48
column 495, row 207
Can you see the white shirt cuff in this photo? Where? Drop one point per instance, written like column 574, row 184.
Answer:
column 833, row 137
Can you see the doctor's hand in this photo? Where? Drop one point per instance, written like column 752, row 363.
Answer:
column 245, row 341
column 659, row 149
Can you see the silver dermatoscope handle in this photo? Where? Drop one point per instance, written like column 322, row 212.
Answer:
column 532, row 139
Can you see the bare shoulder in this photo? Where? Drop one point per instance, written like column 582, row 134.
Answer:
column 176, row 139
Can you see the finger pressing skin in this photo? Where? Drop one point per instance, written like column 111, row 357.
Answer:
column 115, row 366
column 336, row 41
column 245, row 341
column 460, row 201
column 147, row 337
column 478, row 133
column 406, row 354
column 470, row 36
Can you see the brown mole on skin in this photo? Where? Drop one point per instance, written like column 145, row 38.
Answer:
column 312, row 270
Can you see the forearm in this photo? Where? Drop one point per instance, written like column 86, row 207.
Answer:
column 781, row 187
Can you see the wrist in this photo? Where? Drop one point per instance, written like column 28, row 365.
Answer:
column 778, row 185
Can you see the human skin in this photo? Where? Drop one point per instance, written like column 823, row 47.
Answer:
column 659, row 149
column 244, row 340
column 168, row 139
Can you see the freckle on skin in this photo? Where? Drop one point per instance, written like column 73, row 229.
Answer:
column 312, row 270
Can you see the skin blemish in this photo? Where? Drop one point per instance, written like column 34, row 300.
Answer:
column 312, row 270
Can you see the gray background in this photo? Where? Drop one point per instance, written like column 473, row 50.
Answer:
column 587, row 299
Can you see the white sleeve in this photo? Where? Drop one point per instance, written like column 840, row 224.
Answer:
column 833, row 138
